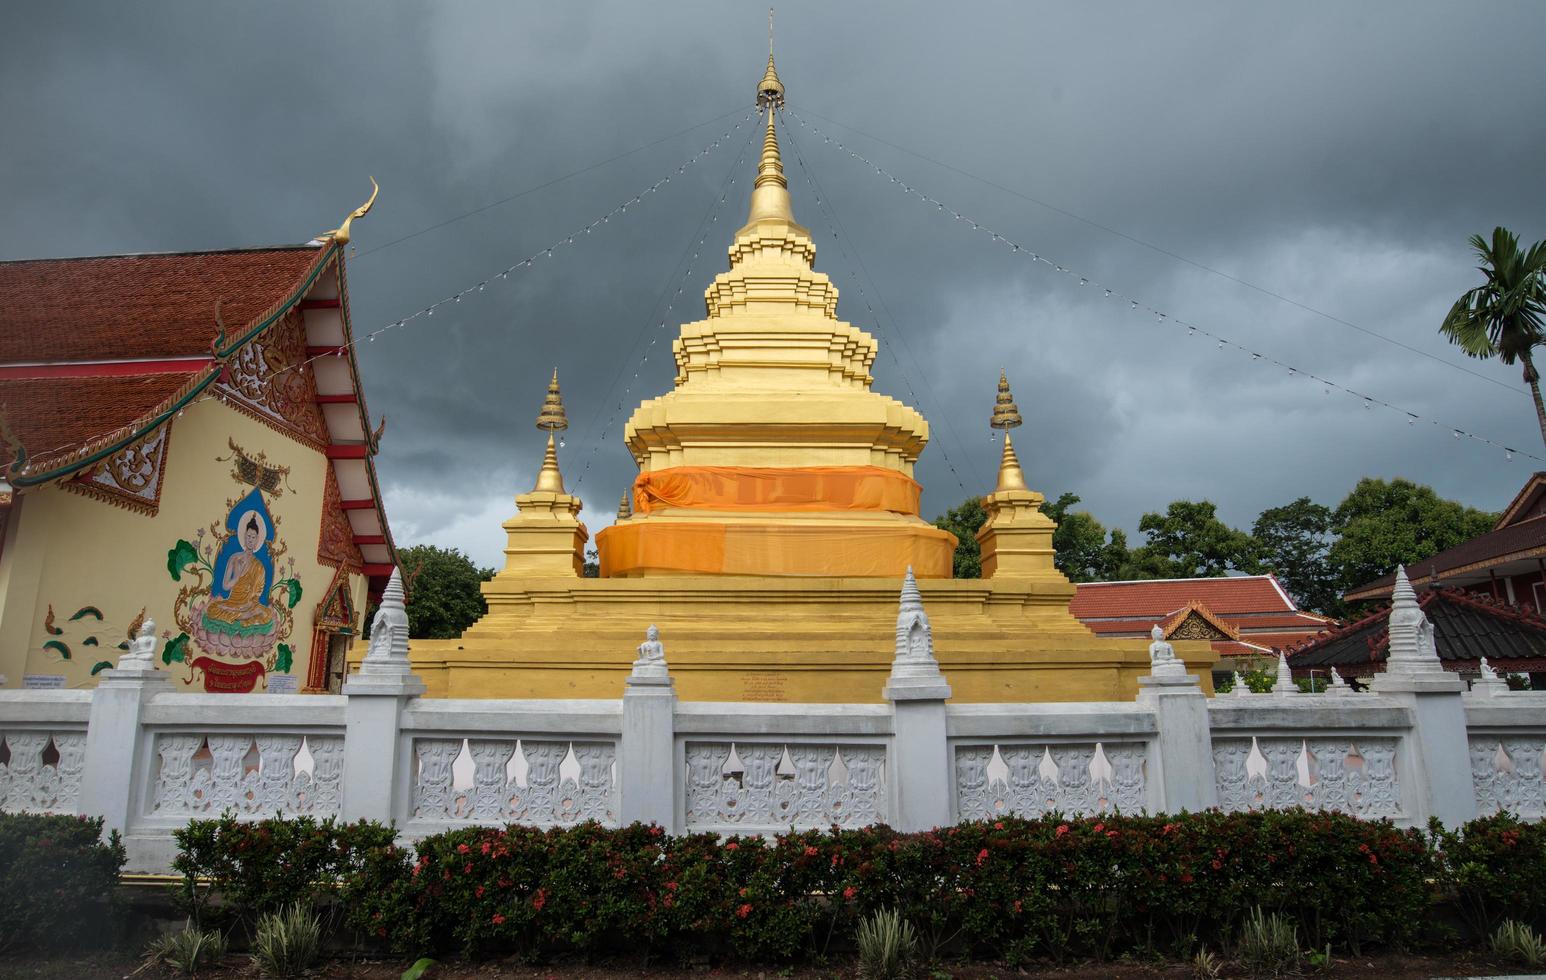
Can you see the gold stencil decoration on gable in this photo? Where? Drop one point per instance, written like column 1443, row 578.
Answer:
column 255, row 470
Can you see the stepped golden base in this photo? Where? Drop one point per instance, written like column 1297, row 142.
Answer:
column 788, row 639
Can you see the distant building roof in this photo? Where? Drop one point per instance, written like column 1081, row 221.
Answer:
column 1466, row 628
column 1243, row 615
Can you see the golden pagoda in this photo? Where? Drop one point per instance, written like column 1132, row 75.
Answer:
column 774, row 514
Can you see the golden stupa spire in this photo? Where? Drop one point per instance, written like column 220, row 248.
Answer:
column 553, row 419
column 1006, row 415
column 625, row 506
column 770, row 192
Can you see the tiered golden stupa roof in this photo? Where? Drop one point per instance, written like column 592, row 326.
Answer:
column 772, row 456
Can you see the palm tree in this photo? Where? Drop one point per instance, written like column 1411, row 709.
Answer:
column 1506, row 316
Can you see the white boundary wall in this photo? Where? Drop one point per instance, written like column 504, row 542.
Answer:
column 149, row 760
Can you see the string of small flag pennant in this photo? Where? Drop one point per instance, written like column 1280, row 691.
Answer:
column 1135, row 305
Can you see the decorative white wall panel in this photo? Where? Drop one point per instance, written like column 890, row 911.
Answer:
column 40, row 771
column 746, row 787
column 253, row 775
column 1350, row 775
column 1029, row 780
column 545, row 783
column 1510, row 774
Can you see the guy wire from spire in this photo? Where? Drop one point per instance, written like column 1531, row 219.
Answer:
column 856, row 265
column 658, row 316
column 1162, row 251
column 1369, row 401
column 540, row 187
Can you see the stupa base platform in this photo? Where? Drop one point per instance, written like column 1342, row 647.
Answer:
column 826, row 640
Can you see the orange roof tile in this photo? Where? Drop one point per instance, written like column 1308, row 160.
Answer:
column 132, row 306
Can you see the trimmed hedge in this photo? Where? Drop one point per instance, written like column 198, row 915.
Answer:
column 58, row 882
column 1011, row 889
column 264, row 866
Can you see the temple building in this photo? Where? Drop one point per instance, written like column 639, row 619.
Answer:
column 1507, row 564
column 1247, row 619
column 186, row 441
column 774, row 515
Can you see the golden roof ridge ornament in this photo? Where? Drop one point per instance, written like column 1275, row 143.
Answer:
column 340, row 235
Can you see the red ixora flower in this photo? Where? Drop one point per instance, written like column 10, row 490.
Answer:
column 1062, row 829
column 810, row 851
column 1099, row 827
column 744, row 911
column 497, row 919
column 540, row 899
column 998, row 825
column 732, row 846
column 487, row 847
column 655, row 831
column 982, row 856
column 462, row 849
column 850, row 891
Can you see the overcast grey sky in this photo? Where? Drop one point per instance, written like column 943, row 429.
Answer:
column 1336, row 154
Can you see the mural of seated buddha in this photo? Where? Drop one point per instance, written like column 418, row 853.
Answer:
column 244, row 611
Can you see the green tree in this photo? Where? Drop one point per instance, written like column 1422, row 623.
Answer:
column 1189, row 541
column 1505, row 316
column 964, row 522
column 443, row 594
column 1292, row 542
column 1382, row 524
column 1082, row 550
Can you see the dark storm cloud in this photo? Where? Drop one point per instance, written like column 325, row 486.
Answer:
column 1337, row 154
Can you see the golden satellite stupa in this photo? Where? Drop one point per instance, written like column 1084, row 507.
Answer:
column 771, row 524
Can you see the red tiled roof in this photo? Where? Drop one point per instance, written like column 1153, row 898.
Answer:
column 133, row 306
column 1157, row 599
column 1273, row 621
column 52, row 414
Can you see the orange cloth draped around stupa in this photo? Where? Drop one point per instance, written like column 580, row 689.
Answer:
column 718, row 548
column 772, row 488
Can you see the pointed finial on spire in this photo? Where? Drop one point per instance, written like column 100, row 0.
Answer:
column 625, row 506
column 770, row 91
column 549, row 479
column 1403, row 592
column 552, row 417
column 1010, row 476
column 1006, row 414
column 770, row 191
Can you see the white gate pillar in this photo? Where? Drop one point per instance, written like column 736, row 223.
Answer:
column 1184, row 746
column 920, row 750
column 1414, row 675
column 376, row 781
column 116, row 763
column 646, row 755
